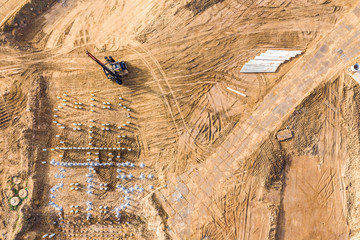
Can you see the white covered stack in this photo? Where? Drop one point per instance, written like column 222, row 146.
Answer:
column 269, row 61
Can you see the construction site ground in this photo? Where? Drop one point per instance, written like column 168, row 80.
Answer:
column 207, row 162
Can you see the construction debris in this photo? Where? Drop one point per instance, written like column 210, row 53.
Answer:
column 284, row 135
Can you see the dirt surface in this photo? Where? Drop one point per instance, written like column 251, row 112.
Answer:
column 312, row 211
column 316, row 188
column 213, row 166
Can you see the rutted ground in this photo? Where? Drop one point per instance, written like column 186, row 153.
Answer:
column 182, row 56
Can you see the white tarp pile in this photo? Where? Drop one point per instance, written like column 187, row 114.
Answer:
column 268, row 61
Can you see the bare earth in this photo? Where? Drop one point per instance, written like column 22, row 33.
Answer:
column 213, row 167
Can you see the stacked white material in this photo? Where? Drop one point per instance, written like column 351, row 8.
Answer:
column 268, row 61
column 356, row 77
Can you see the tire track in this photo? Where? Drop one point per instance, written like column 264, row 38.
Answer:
column 4, row 114
column 172, row 93
column 159, row 85
column 164, row 94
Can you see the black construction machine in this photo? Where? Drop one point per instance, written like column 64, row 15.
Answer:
column 116, row 70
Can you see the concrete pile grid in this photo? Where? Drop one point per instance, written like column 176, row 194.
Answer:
column 77, row 191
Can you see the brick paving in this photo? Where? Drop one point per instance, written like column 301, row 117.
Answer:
column 190, row 207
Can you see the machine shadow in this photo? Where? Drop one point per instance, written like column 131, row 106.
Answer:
column 140, row 81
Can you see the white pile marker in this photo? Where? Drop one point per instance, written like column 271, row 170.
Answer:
column 241, row 94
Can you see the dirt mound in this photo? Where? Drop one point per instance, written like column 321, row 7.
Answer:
column 307, row 121
column 350, row 136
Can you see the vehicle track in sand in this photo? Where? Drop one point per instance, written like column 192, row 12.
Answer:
column 276, row 106
column 151, row 69
column 216, row 47
column 4, row 114
column 199, row 145
column 166, row 93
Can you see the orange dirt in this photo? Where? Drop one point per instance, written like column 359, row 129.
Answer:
column 219, row 170
column 312, row 202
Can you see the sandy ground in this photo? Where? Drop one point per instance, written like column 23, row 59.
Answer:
column 312, row 211
column 219, row 171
